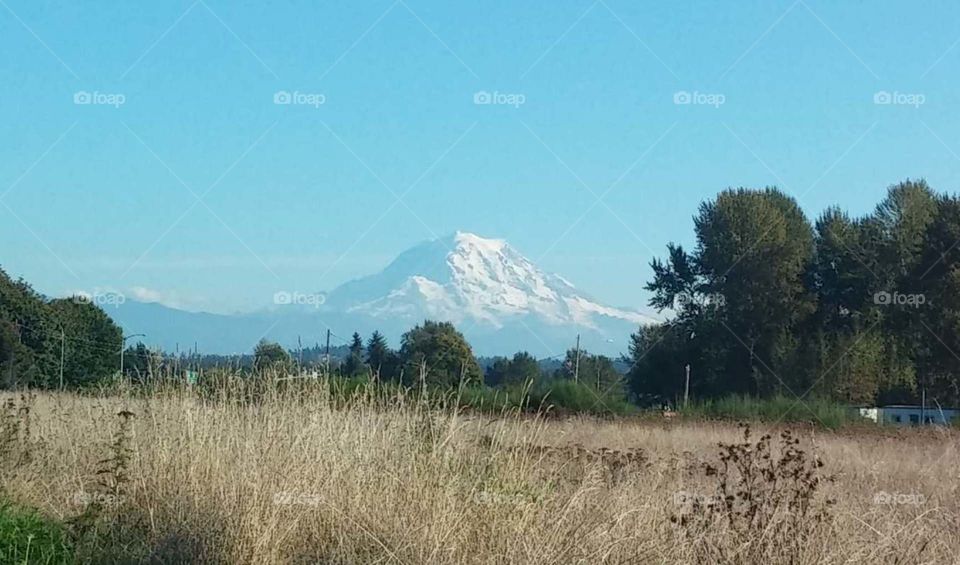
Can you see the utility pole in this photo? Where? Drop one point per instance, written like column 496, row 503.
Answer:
column 299, row 355
column 686, row 388
column 62, row 349
column 923, row 403
column 326, row 359
column 576, row 367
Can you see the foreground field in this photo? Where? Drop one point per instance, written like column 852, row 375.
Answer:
column 288, row 477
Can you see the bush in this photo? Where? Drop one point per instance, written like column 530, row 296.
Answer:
column 559, row 395
column 813, row 411
column 28, row 537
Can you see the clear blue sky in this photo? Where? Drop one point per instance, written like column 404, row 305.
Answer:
column 303, row 197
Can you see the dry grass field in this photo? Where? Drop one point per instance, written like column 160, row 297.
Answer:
column 292, row 477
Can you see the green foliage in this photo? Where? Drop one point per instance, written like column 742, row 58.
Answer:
column 93, row 350
column 553, row 395
column 570, row 396
column 596, row 371
column 269, row 355
column 439, row 354
column 814, row 411
column 767, row 304
column 383, row 362
column 521, row 369
column 354, row 365
column 35, row 332
column 27, row 537
column 141, row 363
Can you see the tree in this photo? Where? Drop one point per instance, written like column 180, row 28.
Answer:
column 754, row 249
column 14, row 356
column 523, row 368
column 937, row 280
column 92, row 341
column 441, row 351
column 595, row 371
column 354, row 366
column 520, row 370
column 858, row 309
column 496, row 373
column 31, row 325
column 139, row 362
column 742, row 293
column 383, row 361
column 270, row 355
column 35, row 334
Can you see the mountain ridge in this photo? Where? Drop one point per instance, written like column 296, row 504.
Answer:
column 500, row 299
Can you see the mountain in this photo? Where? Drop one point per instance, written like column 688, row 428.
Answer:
column 497, row 297
column 465, row 278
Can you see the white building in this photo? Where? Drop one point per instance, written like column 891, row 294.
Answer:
column 910, row 415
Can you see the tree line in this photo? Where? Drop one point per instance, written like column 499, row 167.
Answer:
column 860, row 310
column 436, row 354
column 857, row 310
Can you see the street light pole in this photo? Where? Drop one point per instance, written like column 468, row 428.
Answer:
column 123, row 346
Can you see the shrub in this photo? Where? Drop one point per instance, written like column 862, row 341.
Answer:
column 28, row 537
column 813, row 411
column 764, row 507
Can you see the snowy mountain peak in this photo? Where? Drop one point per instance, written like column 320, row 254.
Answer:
column 498, row 298
column 466, row 277
column 471, row 239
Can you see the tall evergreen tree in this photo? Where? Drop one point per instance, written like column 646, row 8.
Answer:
column 353, row 365
column 379, row 357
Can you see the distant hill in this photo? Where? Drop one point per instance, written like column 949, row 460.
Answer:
column 498, row 298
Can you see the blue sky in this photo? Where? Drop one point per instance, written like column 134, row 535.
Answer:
column 590, row 176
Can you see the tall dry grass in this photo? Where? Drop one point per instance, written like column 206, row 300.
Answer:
column 291, row 476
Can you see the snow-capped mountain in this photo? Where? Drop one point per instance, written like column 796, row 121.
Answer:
column 483, row 285
column 499, row 299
